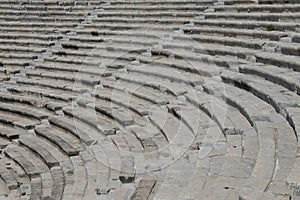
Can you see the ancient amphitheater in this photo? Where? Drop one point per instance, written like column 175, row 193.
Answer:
column 150, row 99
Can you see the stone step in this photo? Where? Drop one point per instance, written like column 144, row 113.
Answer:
column 281, row 76
column 68, row 143
column 271, row 17
column 276, row 1
column 259, row 8
column 84, row 133
column 141, row 92
column 168, row 2
column 153, row 82
column 223, row 115
column 80, row 179
column 49, row 93
column 89, row 116
column 30, row 43
column 67, row 76
column 11, row 132
column 120, row 114
column 14, row 173
column 169, row 74
column 277, row 96
column 17, row 120
column 24, row 110
column 153, row 7
column 9, row 178
column 130, row 102
column 127, row 171
column 40, row 13
column 272, row 130
column 19, row 49
column 239, row 24
column 51, row 155
column 30, row 163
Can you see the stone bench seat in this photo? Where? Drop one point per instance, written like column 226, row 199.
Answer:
column 158, row 14
column 29, row 162
column 181, row 77
column 19, row 49
column 286, row 61
column 17, row 120
column 18, row 56
column 47, row 151
column 68, row 76
column 66, row 141
column 277, row 1
column 148, row 94
column 154, row 82
column 65, row 67
column 14, row 63
column 261, row 34
column 121, row 115
column 35, row 25
column 224, row 31
column 281, row 76
column 31, row 36
column 127, row 170
column 11, row 132
column 237, row 2
column 40, row 13
column 258, row 113
column 169, row 2
column 24, row 29
column 31, row 43
column 42, row 92
column 271, row 8
column 60, row 85
column 74, row 61
column 88, row 116
column 29, row 100
column 277, row 26
column 280, row 17
column 83, row 132
column 58, row 19
column 274, row 95
column 153, row 8
column 24, row 110
column 40, row 177
column 138, row 105
column 217, row 110
column 9, row 178
column 240, row 24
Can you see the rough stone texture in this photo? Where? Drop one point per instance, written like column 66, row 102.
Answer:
column 193, row 99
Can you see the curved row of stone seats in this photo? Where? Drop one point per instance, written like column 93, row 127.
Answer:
column 12, row 24
column 266, row 119
column 264, row 8
column 41, row 148
column 18, row 183
column 35, row 169
column 280, row 17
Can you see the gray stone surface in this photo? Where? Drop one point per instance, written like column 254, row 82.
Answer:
column 145, row 100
